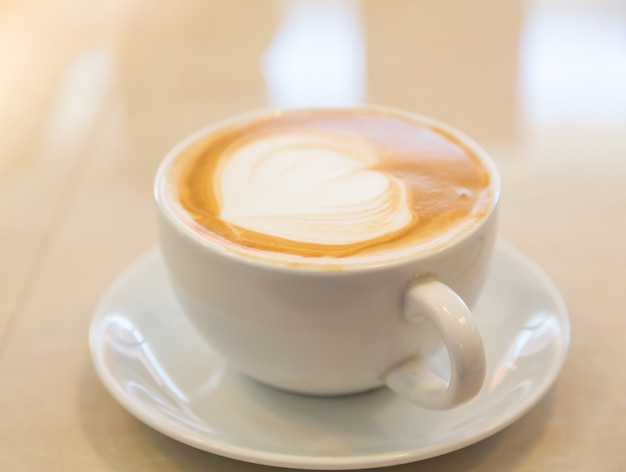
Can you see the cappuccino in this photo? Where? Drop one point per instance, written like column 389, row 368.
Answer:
column 350, row 185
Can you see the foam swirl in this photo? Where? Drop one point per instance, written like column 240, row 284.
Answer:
column 311, row 187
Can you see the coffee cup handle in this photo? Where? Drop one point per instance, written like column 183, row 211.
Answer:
column 412, row 379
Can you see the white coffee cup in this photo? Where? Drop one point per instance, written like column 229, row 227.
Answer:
column 320, row 331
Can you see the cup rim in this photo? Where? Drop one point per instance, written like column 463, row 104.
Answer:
column 320, row 264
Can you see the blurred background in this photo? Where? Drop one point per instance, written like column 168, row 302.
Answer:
column 505, row 72
column 93, row 94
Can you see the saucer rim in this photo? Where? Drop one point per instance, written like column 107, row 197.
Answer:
column 362, row 461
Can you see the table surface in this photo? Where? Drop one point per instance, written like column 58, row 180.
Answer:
column 93, row 94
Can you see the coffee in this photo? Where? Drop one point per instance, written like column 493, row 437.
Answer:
column 349, row 185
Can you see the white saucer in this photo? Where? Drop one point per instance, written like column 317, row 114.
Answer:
column 161, row 371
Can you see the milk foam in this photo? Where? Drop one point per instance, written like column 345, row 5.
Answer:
column 311, row 187
column 328, row 186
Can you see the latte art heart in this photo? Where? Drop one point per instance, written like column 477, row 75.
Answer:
column 311, row 187
column 330, row 188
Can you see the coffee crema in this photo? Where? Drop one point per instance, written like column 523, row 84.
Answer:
column 329, row 183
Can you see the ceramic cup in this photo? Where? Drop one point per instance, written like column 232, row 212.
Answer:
column 327, row 332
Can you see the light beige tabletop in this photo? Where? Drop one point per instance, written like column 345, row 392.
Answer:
column 92, row 95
